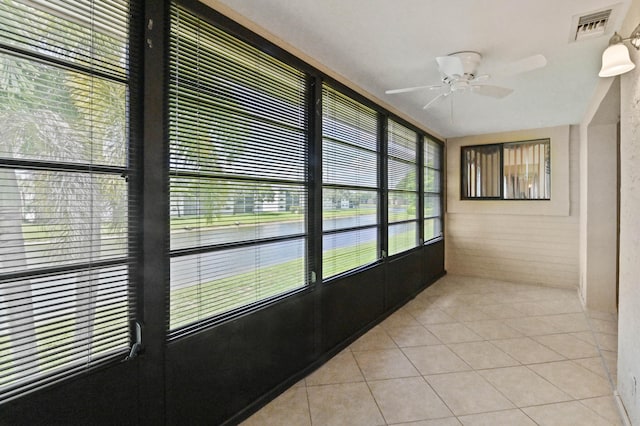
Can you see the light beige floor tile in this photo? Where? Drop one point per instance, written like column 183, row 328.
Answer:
column 551, row 294
column 419, row 304
column 569, row 323
column 608, row 342
column 385, row 364
column 567, row 305
column 376, row 338
column 604, row 406
column 342, row 368
column 300, row 384
column 435, row 359
column 478, row 296
column 603, row 326
column 290, row 408
column 607, row 316
column 502, row 311
column 432, row 316
column 567, row 345
column 341, row 404
column 467, row 313
column 453, row 333
column 531, row 308
column 446, row 300
column 468, row 393
column 611, row 363
column 585, row 336
column 527, row 350
column 594, row 365
column 507, row 417
column 514, row 296
column 400, row 318
column 412, row 336
column 406, row 400
column 493, row 329
column 482, row 355
column 532, row 326
column 564, row 414
column 447, row 421
column 524, row 387
column 573, row 379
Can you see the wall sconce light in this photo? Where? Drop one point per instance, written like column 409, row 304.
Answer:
column 615, row 58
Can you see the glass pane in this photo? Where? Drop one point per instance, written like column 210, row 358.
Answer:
column 348, row 250
column 209, row 284
column 402, row 206
column 348, row 121
column 402, row 237
column 88, row 33
column 348, row 208
column 71, row 319
column 432, row 151
column 54, row 218
column 348, row 165
column 527, row 170
column 402, row 175
column 432, row 180
column 402, row 142
column 206, row 212
column 481, row 171
column 432, row 228
column 52, row 114
column 432, row 205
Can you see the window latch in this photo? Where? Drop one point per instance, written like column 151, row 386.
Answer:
column 137, row 345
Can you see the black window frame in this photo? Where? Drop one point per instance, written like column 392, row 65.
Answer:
column 417, row 192
column 230, row 30
column 129, row 172
column 501, row 145
column 424, row 191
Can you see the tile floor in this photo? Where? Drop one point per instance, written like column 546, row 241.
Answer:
column 466, row 351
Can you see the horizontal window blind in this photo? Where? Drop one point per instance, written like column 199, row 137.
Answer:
column 402, row 184
column 350, row 177
column 481, row 171
column 238, row 174
column 527, row 170
column 67, row 258
column 432, row 175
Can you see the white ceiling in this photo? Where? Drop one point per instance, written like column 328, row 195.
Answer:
column 386, row 44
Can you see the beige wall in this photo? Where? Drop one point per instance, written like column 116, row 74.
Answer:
column 629, row 309
column 532, row 242
column 599, row 198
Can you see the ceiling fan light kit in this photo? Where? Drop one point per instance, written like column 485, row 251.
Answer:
column 615, row 58
column 458, row 72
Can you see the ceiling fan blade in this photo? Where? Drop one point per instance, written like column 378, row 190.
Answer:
column 412, row 89
column 450, row 65
column 436, row 99
column 491, row 91
column 527, row 64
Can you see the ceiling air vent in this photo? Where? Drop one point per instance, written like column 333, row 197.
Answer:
column 591, row 25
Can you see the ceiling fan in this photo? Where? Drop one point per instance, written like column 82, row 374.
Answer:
column 459, row 74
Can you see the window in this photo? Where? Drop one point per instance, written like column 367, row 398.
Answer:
column 432, row 175
column 481, row 171
column 349, row 183
column 510, row 171
column 238, row 173
column 527, row 170
column 66, row 205
column 402, row 182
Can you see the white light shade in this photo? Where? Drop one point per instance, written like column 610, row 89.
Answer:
column 615, row 61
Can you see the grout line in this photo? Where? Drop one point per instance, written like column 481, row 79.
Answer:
column 306, row 389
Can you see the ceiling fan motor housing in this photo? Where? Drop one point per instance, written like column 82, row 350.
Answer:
column 470, row 61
